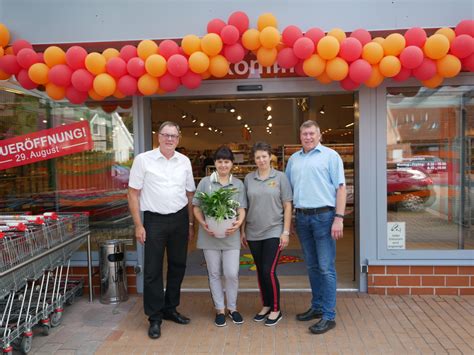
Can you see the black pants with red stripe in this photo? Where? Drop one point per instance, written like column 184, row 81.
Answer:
column 266, row 254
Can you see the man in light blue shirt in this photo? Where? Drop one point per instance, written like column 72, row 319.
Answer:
column 316, row 174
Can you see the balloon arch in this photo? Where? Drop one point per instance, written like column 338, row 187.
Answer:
column 150, row 68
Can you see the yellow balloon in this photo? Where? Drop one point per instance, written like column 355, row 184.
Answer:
column 266, row 20
column 393, row 44
column 191, row 44
column 211, row 44
column 338, row 33
column 146, row 48
column 4, row 76
column 218, row 66
column 372, row 52
column 378, row 40
column 53, row 56
column 110, row 53
column 267, row 56
column 38, row 73
column 448, row 32
column 328, row 47
column 324, row 78
column 95, row 63
column 199, row 62
column 118, row 94
column 95, row 96
column 337, row 68
column 390, row 66
column 147, row 84
column 55, row 92
column 104, row 85
column 448, row 66
column 376, row 77
column 434, row 82
column 4, row 35
column 436, row 46
column 251, row 39
column 269, row 37
column 155, row 65
column 314, row 66
column 205, row 75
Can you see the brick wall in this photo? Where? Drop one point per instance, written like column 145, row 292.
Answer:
column 421, row 280
column 82, row 272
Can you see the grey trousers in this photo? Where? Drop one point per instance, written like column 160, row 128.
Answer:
column 223, row 262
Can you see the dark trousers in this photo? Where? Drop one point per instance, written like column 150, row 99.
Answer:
column 168, row 232
column 266, row 254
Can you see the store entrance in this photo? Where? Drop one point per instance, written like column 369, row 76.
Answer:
column 238, row 123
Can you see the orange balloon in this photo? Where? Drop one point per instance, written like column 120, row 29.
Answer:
column 324, row 78
column 372, row 52
column 205, row 75
column 191, row 44
column 2, row 52
column 269, row 37
column 378, row 40
column 38, row 73
column 376, row 77
column 118, row 94
column 110, row 53
column 390, row 66
column 95, row 63
column 4, row 35
column 328, row 47
column 448, row 66
column 211, row 44
column 436, row 46
column 448, row 32
column 394, row 44
column 55, row 92
column 199, row 62
column 147, row 84
column 314, row 66
column 4, row 76
column 337, row 68
column 266, row 56
column 104, row 85
column 146, row 48
column 95, row 96
column 218, row 66
column 266, row 20
column 53, row 56
column 155, row 65
column 338, row 33
column 434, row 82
column 251, row 39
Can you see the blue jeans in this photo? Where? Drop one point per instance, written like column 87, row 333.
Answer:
column 314, row 232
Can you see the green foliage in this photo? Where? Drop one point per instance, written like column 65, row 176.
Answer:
column 219, row 204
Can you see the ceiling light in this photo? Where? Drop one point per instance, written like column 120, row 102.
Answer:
column 216, row 130
column 153, row 132
column 81, row 119
column 209, row 128
column 201, row 124
column 350, row 124
column 250, row 131
column 184, row 115
column 321, row 110
column 246, row 125
column 194, row 120
column 45, row 121
column 270, row 125
column 196, row 133
column 268, row 107
column 232, row 109
column 269, row 117
column 239, row 118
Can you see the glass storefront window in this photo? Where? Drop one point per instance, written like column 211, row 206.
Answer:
column 430, row 176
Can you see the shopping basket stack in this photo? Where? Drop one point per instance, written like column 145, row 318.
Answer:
column 35, row 254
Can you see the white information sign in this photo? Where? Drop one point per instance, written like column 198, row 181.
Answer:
column 396, row 235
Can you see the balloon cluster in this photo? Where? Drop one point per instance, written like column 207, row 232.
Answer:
column 149, row 68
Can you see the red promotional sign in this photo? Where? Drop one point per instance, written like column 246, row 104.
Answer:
column 46, row 144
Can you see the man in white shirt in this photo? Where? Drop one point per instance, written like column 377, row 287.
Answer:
column 162, row 186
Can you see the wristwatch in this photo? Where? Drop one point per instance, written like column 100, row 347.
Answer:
column 339, row 215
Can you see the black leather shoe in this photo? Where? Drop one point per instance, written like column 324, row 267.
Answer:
column 309, row 315
column 176, row 317
column 322, row 326
column 154, row 331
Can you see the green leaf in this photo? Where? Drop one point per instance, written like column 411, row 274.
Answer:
column 219, row 204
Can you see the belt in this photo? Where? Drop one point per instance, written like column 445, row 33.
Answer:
column 311, row 211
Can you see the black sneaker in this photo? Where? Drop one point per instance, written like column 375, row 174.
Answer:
column 220, row 320
column 260, row 317
column 271, row 322
column 236, row 317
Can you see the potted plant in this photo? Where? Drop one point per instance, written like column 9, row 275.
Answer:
column 219, row 209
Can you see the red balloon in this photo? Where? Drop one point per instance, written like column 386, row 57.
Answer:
column 24, row 80
column 415, row 36
column 462, row 46
column 169, row 82
column 426, row 70
column 314, row 34
column 351, row 49
column 177, row 65
column 291, row 34
column 127, row 85
column 465, row 27
column 191, row 80
column 360, row 71
column 348, row 84
column 168, row 48
column 214, row 26
column 299, row 69
column 286, row 58
column 136, row 67
column 82, row 80
column 468, row 63
column 60, row 75
column 303, row 48
column 403, row 75
column 240, row 20
column 74, row 96
column 27, row 57
column 116, row 67
column 229, row 34
column 9, row 64
column 411, row 57
column 40, row 57
column 20, row 44
column 362, row 35
column 75, row 57
column 128, row 52
column 234, row 53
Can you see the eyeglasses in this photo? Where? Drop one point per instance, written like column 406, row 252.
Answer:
column 169, row 136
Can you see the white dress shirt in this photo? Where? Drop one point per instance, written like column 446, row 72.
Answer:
column 163, row 183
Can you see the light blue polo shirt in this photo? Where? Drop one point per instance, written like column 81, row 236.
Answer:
column 315, row 176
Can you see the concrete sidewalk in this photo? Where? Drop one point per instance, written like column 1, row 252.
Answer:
column 366, row 324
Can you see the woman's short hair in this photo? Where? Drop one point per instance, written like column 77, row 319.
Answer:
column 224, row 152
column 263, row 146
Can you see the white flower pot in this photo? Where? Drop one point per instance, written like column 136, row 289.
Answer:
column 219, row 227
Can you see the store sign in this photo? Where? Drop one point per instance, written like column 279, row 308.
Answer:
column 46, row 144
column 396, row 236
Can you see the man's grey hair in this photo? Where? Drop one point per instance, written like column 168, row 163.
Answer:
column 171, row 124
column 309, row 124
